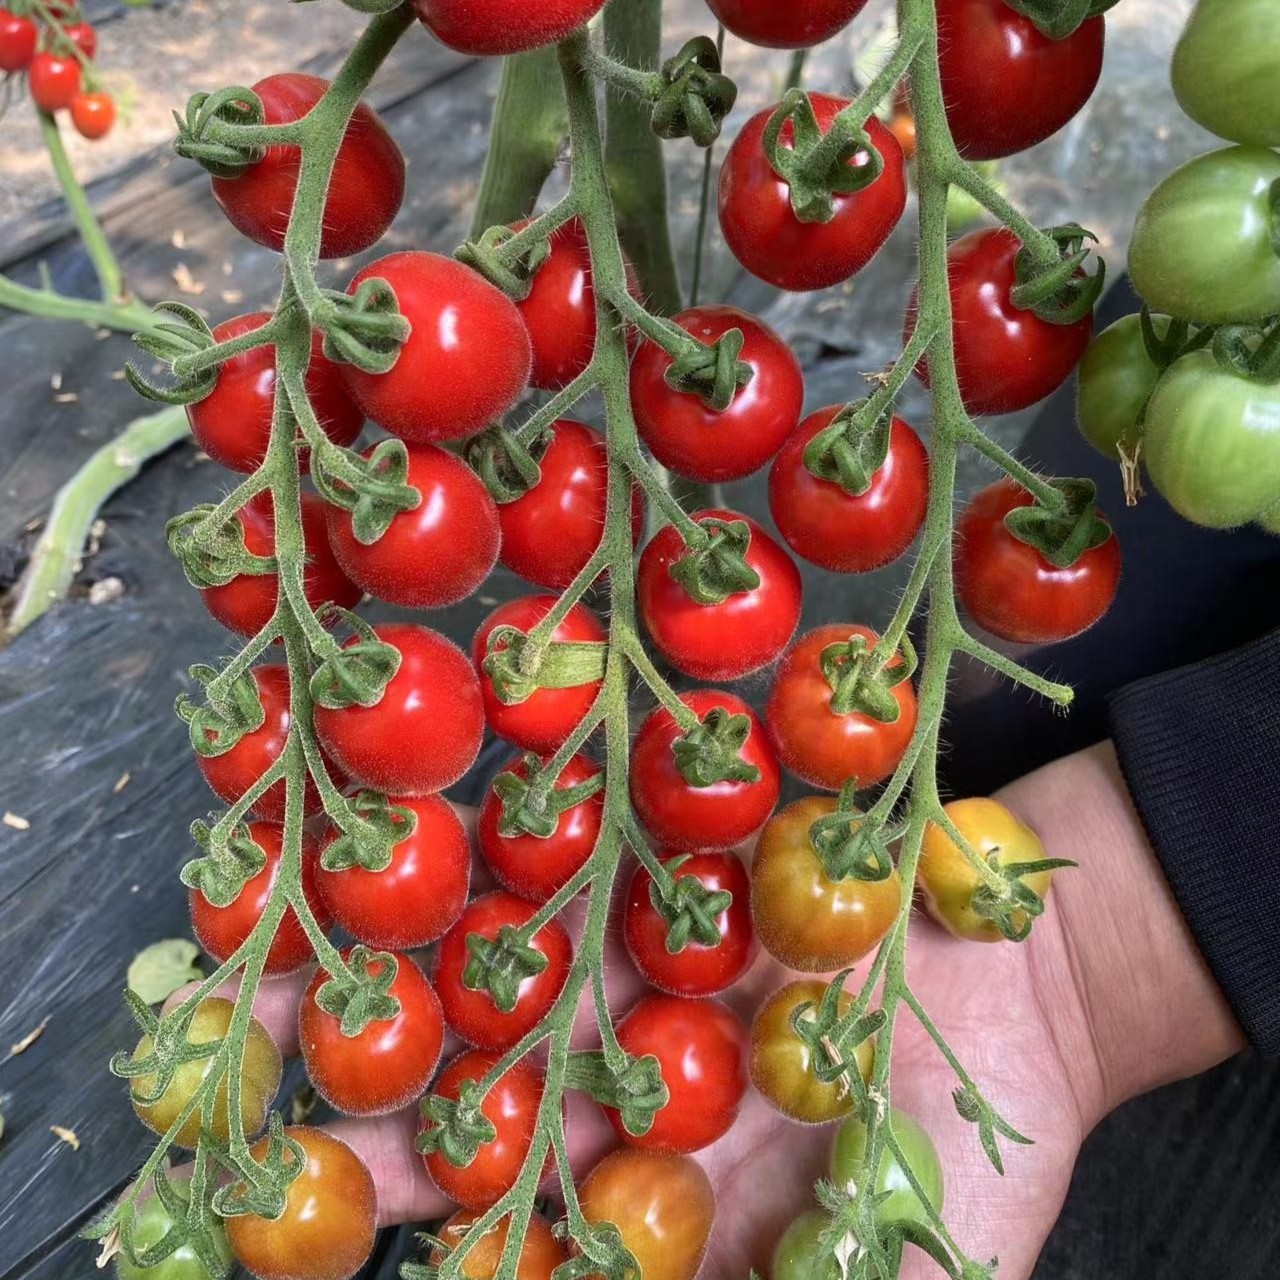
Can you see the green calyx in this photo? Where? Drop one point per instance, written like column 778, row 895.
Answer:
column 218, row 724
column 1062, row 536
column 374, row 489
column 211, row 556
column 973, row 1107
column 532, row 803
column 357, row 674
column 717, row 569
column 1179, row 338
column 1058, row 290
column 634, row 1088
column 365, row 328
column 170, row 1048
column 192, row 1225
column 850, row 847
column 219, row 114
column 1249, row 351
column 1015, row 907
column 518, row 668
column 458, row 1128
column 711, row 752
column 850, row 450
column 499, row 965
column 171, row 343
column 369, row 841
column 513, row 274
column 601, row 1254
column 710, row 370
column 833, row 1036
column 1059, row 19
column 816, row 166
column 690, row 909
column 229, row 859
column 358, row 996
column 695, row 96
column 861, row 686
column 261, row 1185
column 507, row 463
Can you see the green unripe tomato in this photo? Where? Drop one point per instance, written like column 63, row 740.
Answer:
column 150, row 1226
column 1212, row 442
column 797, row 1256
column 903, row 1204
column 1204, row 245
column 1269, row 521
column 1117, row 377
column 1224, row 69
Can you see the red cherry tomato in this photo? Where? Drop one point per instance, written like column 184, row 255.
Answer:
column 222, row 930
column 702, row 1050
column 511, row 1106
column 93, row 114
column 330, row 1218
column 1006, row 358
column 424, row 732
column 246, row 603
column 233, row 772
column 783, row 26
column 697, row 970
column 686, row 817
column 815, row 743
column 17, row 41
column 1006, row 84
column 434, row 555
column 416, row 899
column 761, row 227
column 550, row 533
column 719, row 641
column 488, row 28
column 534, row 867
column 702, row 443
column 1010, row 589
column 543, row 721
column 232, row 424
column 473, row 1014
column 391, row 1062
column 83, row 36
column 846, row 532
column 365, row 191
column 465, row 363
column 53, row 81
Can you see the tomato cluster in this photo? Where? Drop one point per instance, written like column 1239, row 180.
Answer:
column 55, row 49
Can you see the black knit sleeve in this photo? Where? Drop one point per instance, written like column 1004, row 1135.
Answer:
column 1200, row 749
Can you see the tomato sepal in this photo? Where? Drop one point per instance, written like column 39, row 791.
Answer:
column 634, row 1087
column 456, row 1128
column 1249, row 351
column 356, row 674
column 602, row 1255
column 1016, row 908
column 228, row 861
column 374, row 489
column 695, row 96
column 974, row 1108
column 833, row 1038
column 848, row 846
column 851, row 448
column 712, row 371
column 517, row 668
column 532, row 804
column 500, row 965
column 261, row 1186
column 232, row 107
column 857, row 687
column 712, row 751
column 508, row 466
column 1064, row 535
column 211, row 557
column 689, row 907
column 359, row 996
column 217, row 724
column 369, row 842
column 717, row 568
column 513, row 275
column 366, row 328
column 1059, row 292
column 171, row 343
column 1059, row 19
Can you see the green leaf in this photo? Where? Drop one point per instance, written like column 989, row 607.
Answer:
column 157, row 971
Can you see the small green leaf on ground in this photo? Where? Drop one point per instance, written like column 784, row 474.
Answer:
column 159, row 970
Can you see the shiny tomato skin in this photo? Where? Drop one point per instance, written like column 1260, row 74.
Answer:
column 1117, row 377
column 782, row 26
column 18, row 38
column 330, row 1217
column 841, row 531
column 550, row 533
column 365, row 191
column 819, row 746
column 221, row 930
column 663, row 1206
column 473, row 1015
column 1006, row 359
column 782, row 1064
column 93, row 114
column 53, row 81
column 745, row 632
column 804, row 919
column 151, row 1224
column 684, row 817
column 417, row 898
column 232, row 424
column 799, row 1255
column 1006, row 84
column 425, row 731
column 533, row 867
column 694, row 440
column 83, row 36
column 540, row 1252
column 465, row 363
column 512, row 1107
column 697, row 970
column 259, row 1080
column 231, row 774
column 492, row 28
column 434, row 555
column 947, row 879
column 701, row 1047
column 761, row 227
column 1010, row 589
column 391, row 1062
column 902, row 1204
column 245, row 604
column 544, row 720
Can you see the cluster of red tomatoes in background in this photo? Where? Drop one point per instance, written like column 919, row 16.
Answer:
column 56, row 57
